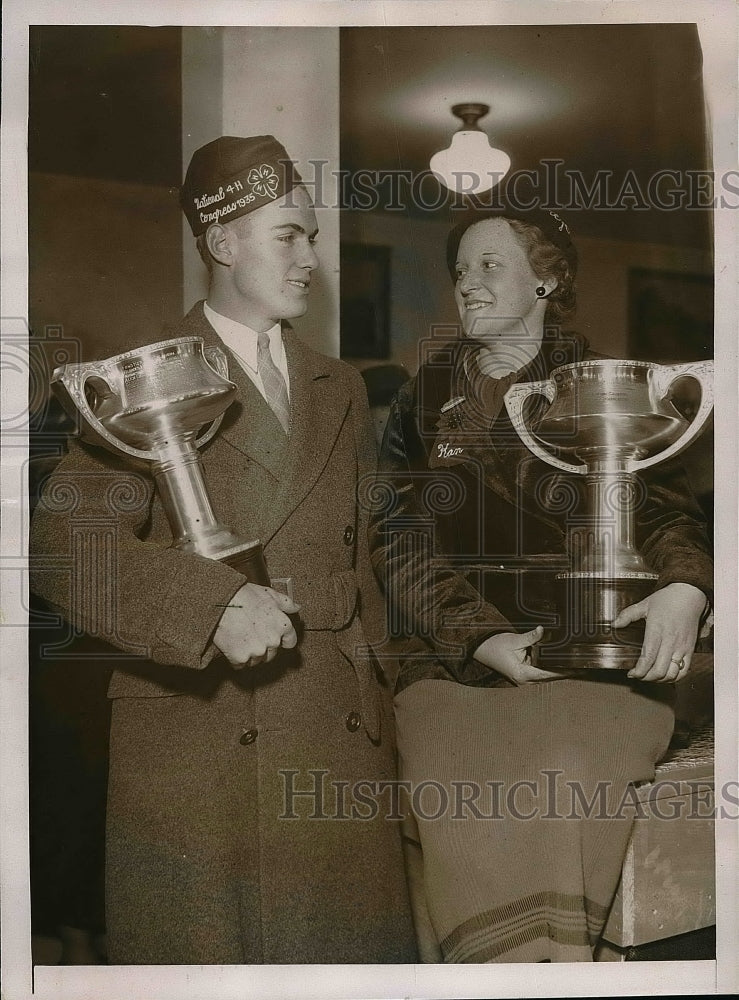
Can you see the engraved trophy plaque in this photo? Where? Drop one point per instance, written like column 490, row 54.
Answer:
column 149, row 405
column 607, row 421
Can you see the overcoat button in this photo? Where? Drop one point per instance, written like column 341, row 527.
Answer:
column 353, row 721
column 248, row 737
column 348, row 535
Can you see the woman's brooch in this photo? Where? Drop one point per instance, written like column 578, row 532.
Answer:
column 451, row 413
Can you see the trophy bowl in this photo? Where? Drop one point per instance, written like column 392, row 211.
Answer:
column 145, row 397
column 609, row 408
column 149, row 405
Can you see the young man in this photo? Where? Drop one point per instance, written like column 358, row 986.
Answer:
column 240, row 733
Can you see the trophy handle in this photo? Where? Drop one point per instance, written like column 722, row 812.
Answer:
column 662, row 378
column 74, row 378
column 218, row 361
column 514, row 400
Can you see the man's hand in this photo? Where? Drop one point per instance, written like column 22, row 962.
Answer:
column 672, row 618
column 255, row 626
column 508, row 653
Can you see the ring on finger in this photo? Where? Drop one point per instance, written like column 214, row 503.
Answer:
column 680, row 661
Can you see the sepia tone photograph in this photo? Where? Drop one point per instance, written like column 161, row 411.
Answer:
column 369, row 546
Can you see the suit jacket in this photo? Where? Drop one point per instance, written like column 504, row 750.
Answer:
column 217, row 745
column 482, row 508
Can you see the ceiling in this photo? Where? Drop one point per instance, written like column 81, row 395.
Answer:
column 613, row 98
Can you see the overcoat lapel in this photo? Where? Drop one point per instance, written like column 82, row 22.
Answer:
column 319, row 404
column 249, row 425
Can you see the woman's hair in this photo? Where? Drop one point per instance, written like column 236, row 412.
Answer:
column 550, row 252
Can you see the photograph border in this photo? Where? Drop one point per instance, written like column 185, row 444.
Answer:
column 718, row 22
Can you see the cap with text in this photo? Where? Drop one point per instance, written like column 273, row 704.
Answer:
column 233, row 176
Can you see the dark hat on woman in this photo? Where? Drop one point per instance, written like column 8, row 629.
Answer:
column 233, row 176
column 551, row 224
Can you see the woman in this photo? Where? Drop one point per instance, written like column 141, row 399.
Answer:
column 513, row 768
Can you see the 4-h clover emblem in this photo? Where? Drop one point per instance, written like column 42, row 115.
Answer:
column 263, row 180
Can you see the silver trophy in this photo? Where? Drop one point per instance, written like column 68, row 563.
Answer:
column 611, row 419
column 149, row 404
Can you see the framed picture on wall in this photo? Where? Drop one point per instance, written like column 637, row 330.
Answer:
column 670, row 316
column 365, row 301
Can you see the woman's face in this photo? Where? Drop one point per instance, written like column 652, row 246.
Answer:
column 496, row 288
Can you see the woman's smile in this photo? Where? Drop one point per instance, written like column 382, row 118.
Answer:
column 474, row 304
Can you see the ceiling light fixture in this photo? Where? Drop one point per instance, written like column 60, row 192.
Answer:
column 470, row 165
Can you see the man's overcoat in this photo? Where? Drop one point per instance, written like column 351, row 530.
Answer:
column 213, row 853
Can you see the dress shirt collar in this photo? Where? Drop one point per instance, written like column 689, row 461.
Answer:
column 242, row 340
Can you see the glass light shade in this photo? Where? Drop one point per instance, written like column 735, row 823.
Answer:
column 470, row 165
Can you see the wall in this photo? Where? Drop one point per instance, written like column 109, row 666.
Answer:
column 283, row 81
column 602, row 287
column 104, row 261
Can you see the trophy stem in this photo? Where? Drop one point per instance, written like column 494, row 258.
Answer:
column 607, row 574
column 605, row 544
column 181, row 483
column 178, row 472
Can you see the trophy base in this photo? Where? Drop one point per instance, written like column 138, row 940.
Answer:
column 249, row 561
column 589, row 641
column 566, row 655
column 222, row 545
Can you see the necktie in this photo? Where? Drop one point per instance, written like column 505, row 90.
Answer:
column 274, row 382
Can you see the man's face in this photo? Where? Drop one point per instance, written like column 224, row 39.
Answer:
column 274, row 257
column 496, row 287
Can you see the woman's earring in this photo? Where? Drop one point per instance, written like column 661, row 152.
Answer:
column 541, row 291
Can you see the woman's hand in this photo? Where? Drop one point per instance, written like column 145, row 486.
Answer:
column 508, row 653
column 672, row 616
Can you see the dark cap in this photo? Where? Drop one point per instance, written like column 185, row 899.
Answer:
column 232, row 176
column 551, row 224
